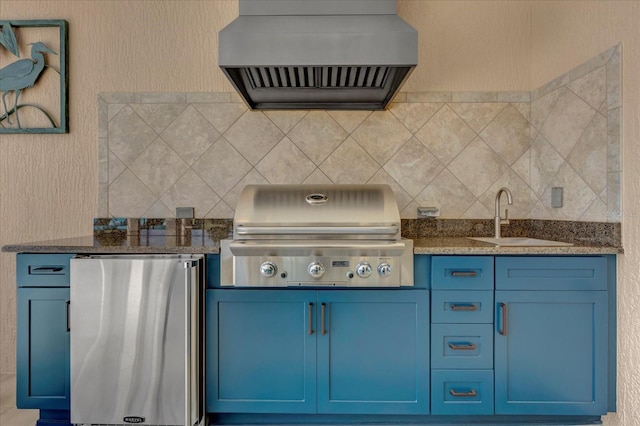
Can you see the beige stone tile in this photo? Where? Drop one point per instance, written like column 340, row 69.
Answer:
column 541, row 107
column 566, row 122
column 522, row 167
column 116, row 167
column 381, row 135
column 614, row 201
column 577, row 196
column 515, row 97
column 190, row 191
column 447, row 194
column 159, row 210
column 597, row 212
column 121, row 98
column 477, row 115
column 222, row 167
column 212, row 97
column 402, row 197
column 445, row 135
column 129, row 135
column 349, row 163
column 524, row 108
column 103, row 118
column 221, row 115
column 285, row 163
column 423, row 97
column 410, row 211
column 129, row 197
column 113, row 110
column 190, row 135
column 508, row 134
column 545, row 163
column 163, row 98
column 251, row 178
column 158, row 116
column 478, row 167
column 589, row 156
column 158, row 167
column 414, row 115
column 103, row 160
column 220, row 211
column 285, row 120
column 253, row 135
column 349, row 120
column 477, row 211
column 592, row 87
column 317, row 135
column 614, row 140
column 413, row 167
column 317, row 177
column 614, row 78
column 474, row 97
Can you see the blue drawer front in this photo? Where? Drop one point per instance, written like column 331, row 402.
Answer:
column 470, row 307
column 459, row 392
column 462, row 272
column 462, row 346
column 551, row 273
column 43, row 270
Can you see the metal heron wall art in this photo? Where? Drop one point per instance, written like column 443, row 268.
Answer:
column 24, row 74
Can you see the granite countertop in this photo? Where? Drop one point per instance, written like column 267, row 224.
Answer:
column 152, row 236
column 134, row 244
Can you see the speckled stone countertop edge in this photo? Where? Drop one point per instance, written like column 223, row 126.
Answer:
column 436, row 245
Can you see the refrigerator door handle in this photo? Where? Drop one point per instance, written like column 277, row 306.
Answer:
column 192, row 341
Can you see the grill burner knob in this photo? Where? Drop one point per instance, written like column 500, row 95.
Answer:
column 363, row 269
column 384, row 269
column 316, row 270
column 268, row 269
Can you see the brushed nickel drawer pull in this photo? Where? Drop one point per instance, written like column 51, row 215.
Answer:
column 323, row 308
column 472, row 392
column 463, row 347
column 310, row 318
column 464, row 273
column 503, row 326
column 463, row 307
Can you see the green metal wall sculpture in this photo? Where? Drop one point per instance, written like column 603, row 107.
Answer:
column 23, row 75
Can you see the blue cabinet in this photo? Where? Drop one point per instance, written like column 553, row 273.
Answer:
column 306, row 351
column 42, row 346
column 43, row 349
column 551, row 341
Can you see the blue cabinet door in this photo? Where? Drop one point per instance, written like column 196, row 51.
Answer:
column 551, row 352
column 261, row 351
column 43, row 349
column 373, row 357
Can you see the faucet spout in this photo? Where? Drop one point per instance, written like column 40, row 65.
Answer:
column 497, row 220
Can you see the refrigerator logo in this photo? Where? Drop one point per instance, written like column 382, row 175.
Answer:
column 133, row 419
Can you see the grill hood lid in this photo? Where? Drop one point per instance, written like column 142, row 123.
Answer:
column 318, row 54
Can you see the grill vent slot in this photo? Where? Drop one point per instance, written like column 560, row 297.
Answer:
column 318, row 77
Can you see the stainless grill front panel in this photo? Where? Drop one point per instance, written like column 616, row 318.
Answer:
column 317, row 235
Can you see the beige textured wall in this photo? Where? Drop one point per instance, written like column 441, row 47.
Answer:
column 567, row 33
column 48, row 184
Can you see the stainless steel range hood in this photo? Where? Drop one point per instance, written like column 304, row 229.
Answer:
column 318, row 54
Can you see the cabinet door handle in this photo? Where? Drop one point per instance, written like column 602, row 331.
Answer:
column 45, row 269
column 463, row 307
column 464, row 273
column 67, row 307
column 323, row 308
column 503, row 325
column 462, row 347
column 472, row 392
column 310, row 318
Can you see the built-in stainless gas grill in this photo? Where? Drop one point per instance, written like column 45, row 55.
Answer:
column 317, row 235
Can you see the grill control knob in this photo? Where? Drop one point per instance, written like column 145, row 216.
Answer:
column 363, row 269
column 268, row 269
column 316, row 270
column 384, row 269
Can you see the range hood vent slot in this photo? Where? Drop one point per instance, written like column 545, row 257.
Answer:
column 317, row 54
column 325, row 77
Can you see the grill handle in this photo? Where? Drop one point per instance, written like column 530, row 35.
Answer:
column 317, row 230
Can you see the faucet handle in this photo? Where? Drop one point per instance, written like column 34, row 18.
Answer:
column 505, row 221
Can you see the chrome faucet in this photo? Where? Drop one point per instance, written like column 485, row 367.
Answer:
column 497, row 219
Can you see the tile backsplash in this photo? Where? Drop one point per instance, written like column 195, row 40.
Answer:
column 450, row 150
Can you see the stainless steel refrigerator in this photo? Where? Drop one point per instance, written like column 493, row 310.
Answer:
column 136, row 332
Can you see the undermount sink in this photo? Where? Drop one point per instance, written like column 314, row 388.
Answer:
column 520, row 242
